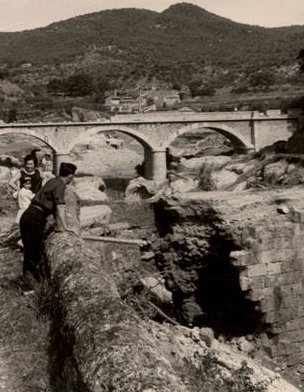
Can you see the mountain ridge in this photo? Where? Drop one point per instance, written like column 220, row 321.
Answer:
column 180, row 43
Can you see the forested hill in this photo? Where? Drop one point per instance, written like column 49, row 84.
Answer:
column 128, row 43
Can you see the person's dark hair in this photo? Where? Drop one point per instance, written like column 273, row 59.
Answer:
column 67, row 169
column 25, row 180
column 34, row 151
column 31, row 158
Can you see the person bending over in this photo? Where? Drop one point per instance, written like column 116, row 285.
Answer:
column 48, row 200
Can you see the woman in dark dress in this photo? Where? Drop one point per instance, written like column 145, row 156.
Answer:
column 29, row 170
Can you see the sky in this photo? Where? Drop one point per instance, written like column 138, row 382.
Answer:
column 18, row 15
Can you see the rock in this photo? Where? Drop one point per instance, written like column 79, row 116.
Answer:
column 140, row 188
column 5, row 173
column 244, row 345
column 207, row 336
column 95, row 215
column 274, row 172
column 90, row 190
column 283, row 210
column 295, row 144
column 119, row 227
column 196, row 163
column 157, row 288
column 184, row 185
column 223, row 178
column 191, row 310
column 9, row 160
column 195, row 334
column 114, row 143
column 147, row 256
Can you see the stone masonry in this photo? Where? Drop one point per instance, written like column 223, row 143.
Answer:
column 238, row 257
column 246, row 130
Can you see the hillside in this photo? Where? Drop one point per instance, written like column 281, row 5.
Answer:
column 123, row 47
column 183, row 33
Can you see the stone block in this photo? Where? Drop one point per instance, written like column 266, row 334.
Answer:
column 257, row 270
column 284, row 315
column 245, row 283
column 271, row 280
column 290, row 277
column 261, row 294
column 269, row 317
column 264, row 269
column 299, row 254
column 290, row 300
column 295, row 336
column 295, row 324
column 285, row 230
column 242, row 258
column 287, row 347
column 277, row 255
column 258, row 282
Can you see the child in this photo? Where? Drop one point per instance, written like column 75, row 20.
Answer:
column 24, row 197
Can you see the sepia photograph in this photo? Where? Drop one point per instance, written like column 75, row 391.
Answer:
column 151, row 196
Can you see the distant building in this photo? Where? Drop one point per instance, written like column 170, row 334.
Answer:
column 125, row 104
column 164, row 97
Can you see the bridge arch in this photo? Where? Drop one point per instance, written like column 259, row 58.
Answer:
column 145, row 141
column 27, row 132
column 154, row 158
column 238, row 141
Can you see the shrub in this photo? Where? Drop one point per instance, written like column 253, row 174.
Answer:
column 209, row 376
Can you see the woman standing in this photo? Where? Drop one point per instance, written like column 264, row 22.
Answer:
column 29, row 170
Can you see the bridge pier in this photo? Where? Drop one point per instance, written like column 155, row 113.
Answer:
column 59, row 157
column 156, row 165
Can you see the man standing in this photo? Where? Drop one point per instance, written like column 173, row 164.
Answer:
column 48, row 200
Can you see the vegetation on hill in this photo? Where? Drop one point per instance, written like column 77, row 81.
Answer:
column 184, row 46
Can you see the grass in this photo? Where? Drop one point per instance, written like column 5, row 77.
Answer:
column 209, row 375
column 24, row 334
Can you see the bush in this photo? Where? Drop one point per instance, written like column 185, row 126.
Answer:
column 240, row 89
column 206, row 182
column 208, row 376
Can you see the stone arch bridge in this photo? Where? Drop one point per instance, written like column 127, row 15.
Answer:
column 156, row 131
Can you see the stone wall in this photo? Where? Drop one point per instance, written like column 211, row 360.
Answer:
column 235, row 262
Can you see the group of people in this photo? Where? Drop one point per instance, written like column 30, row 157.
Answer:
column 36, row 201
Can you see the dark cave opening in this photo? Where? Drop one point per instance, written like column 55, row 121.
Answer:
column 226, row 309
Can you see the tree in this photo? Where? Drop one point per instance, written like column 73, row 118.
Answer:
column 12, row 115
column 300, row 59
column 261, row 80
column 56, row 86
column 79, row 85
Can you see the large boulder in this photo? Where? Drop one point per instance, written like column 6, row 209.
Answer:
column 184, row 185
column 9, row 161
column 194, row 164
column 141, row 188
column 274, row 173
column 5, row 173
column 224, row 178
column 92, row 216
column 90, row 190
column 295, row 144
